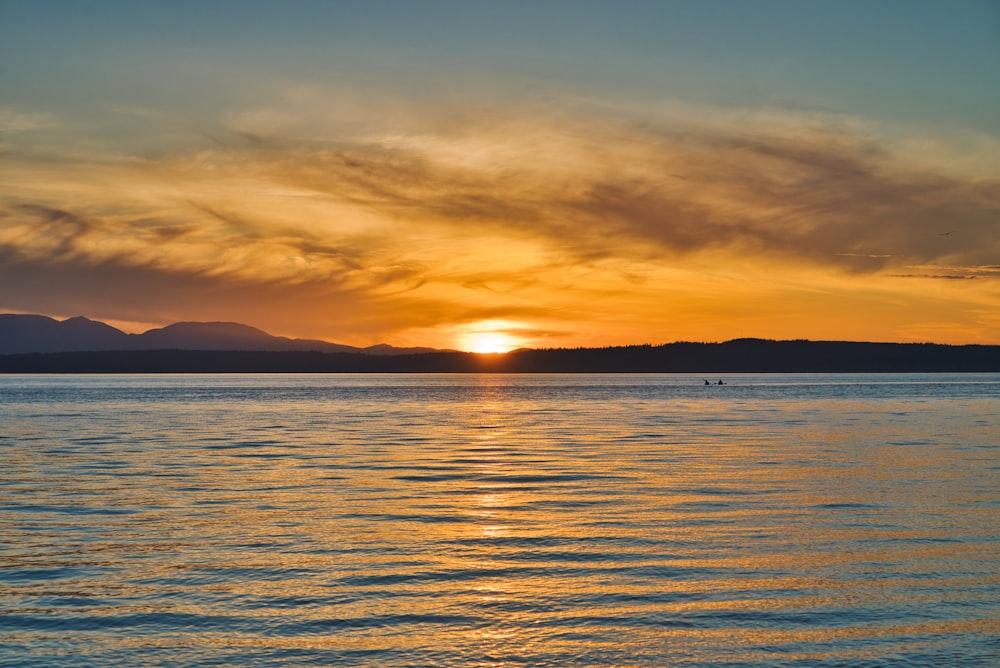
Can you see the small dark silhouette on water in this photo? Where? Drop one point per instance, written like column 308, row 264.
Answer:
column 719, row 383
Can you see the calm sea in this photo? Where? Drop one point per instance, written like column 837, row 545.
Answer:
column 500, row 520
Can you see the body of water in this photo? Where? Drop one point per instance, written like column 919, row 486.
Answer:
column 500, row 520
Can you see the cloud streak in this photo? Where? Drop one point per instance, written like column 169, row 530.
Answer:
column 549, row 219
column 609, row 189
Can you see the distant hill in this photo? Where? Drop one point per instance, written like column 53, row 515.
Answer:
column 223, row 336
column 41, row 334
column 38, row 333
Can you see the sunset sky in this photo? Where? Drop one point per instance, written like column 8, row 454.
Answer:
column 487, row 175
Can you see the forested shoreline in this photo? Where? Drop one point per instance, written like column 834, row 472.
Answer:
column 738, row 356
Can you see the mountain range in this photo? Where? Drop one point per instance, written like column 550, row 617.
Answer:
column 39, row 344
column 40, row 334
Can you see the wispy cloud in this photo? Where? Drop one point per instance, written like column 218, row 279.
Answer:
column 957, row 273
column 549, row 217
column 13, row 120
column 607, row 189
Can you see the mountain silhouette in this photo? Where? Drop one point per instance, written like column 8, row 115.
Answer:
column 41, row 334
column 225, row 336
column 38, row 333
column 39, row 344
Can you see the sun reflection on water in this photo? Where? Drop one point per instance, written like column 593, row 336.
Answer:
column 490, row 521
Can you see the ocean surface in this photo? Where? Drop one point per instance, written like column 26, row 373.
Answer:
column 500, row 520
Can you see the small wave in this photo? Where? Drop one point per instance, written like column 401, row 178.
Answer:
column 31, row 575
column 69, row 510
column 325, row 626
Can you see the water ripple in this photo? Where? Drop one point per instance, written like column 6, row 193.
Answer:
column 498, row 521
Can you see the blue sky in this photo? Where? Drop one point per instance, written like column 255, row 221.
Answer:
column 931, row 61
column 584, row 145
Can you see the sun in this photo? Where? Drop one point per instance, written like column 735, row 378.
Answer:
column 492, row 336
column 489, row 342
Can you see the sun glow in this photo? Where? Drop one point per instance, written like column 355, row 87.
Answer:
column 490, row 342
column 491, row 336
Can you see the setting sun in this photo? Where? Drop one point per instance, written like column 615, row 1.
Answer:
column 490, row 342
column 492, row 336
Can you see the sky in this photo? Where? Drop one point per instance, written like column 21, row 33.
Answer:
column 493, row 175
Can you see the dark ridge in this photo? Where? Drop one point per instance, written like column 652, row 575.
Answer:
column 40, row 334
column 738, row 356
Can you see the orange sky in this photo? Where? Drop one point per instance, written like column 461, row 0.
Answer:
column 362, row 213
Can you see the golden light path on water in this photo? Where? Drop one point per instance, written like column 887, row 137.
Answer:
column 500, row 520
